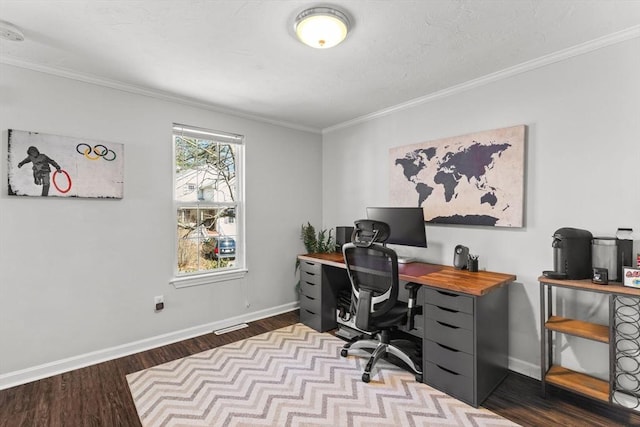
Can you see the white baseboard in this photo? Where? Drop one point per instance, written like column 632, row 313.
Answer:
column 524, row 368
column 34, row 373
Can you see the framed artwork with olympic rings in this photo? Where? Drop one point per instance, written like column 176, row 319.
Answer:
column 41, row 164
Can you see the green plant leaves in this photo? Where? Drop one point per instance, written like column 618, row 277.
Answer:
column 320, row 242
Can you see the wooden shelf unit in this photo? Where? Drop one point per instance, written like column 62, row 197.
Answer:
column 563, row 377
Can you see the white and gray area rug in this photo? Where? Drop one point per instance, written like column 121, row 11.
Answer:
column 292, row 376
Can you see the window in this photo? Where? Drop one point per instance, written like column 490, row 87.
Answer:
column 208, row 202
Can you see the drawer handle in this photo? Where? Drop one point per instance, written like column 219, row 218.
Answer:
column 447, row 309
column 310, row 263
column 310, row 273
column 311, row 298
column 449, row 294
column 447, row 370
column 448, row 348
column 447, row 325
column 309, row 283
column 309, row 311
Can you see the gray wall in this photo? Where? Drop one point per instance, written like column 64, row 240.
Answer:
column 582, row 170
column 78, row 276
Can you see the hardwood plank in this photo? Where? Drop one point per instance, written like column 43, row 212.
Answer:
column 99, row 395
column 579, row 328
column 519, row 398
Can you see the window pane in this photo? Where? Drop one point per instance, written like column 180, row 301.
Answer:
column 205, row 170
column 206, row 239
column 227, row 179
column 208, row 195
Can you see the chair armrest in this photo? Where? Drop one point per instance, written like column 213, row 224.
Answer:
column 363, row 309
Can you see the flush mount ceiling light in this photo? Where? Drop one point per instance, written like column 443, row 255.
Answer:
column 321, row 27
column 9, row 32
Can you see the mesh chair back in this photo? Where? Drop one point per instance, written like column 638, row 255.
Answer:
column 373, row 271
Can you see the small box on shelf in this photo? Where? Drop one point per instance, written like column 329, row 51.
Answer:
column 631, row 277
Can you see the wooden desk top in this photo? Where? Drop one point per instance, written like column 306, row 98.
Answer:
column 438, row 276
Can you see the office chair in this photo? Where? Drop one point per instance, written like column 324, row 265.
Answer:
column 373, row 273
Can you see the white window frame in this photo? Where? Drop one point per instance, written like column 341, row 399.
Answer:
column 239, row 270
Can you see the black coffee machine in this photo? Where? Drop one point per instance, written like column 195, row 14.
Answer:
column 571, row 254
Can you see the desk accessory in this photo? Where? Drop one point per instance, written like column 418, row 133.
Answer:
column 472, row 263
column 460, row 257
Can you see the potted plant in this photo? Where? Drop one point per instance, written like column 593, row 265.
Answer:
column 314, row 243
column 322, row 242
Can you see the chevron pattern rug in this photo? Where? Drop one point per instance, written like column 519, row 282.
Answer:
column 292, row 376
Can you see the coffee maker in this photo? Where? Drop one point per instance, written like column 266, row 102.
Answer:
column 571, row 254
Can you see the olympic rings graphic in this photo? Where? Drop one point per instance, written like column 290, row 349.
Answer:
column 55, row 184
column 99, row 150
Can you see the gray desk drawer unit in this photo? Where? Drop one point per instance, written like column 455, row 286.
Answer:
column 319, row 285
column 465, row 343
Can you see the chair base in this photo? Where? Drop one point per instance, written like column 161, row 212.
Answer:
column 380, row 350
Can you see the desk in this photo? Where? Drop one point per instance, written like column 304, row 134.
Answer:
column 464, row 325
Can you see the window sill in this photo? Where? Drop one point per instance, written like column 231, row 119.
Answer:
column 207, row 278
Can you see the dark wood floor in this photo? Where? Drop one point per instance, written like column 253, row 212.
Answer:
column 99, row 396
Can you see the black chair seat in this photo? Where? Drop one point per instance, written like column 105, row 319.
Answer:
column 394, row 317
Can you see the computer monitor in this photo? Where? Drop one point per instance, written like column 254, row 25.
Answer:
column 406, row 224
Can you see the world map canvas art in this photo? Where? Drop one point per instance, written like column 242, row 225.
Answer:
column 474, row 179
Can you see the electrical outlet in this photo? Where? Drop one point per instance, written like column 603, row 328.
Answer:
column 159, row 302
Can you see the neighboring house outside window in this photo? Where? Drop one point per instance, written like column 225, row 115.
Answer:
column 209, row 205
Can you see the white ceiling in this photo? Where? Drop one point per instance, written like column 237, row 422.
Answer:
column 241, row 55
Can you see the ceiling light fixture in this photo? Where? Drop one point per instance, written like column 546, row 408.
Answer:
column 9, row 32
column 321, row 27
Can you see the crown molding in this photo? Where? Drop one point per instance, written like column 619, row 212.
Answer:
column 144, row 91
column 614, row 38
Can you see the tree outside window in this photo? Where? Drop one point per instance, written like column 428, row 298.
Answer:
column 208, row 200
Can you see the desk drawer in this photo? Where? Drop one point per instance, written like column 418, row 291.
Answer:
column 454, row 360
column 310, row 289
column 315, row 278
column 310, row 303
column 310, row 267
column 449, row 381
column 449, row 335
column 449, row 316
column 449, row 300
column 311, row 318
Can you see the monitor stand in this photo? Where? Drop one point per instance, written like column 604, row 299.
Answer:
column 406, row 260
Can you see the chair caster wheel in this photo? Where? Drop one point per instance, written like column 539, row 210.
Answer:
column 343, row 352
column 419, row 378
column 365, row 378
